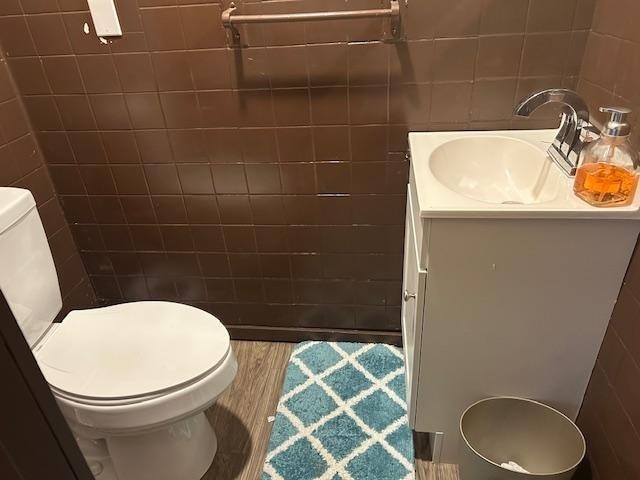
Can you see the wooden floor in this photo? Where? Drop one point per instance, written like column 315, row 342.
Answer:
column 240, row 416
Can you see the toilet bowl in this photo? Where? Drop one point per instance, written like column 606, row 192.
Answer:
column 133, row 380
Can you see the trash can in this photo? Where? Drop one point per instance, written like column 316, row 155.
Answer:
column 509, row 438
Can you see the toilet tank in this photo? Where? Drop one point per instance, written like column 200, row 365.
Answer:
column 28, row 277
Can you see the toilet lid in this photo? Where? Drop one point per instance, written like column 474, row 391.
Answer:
column 132, row 350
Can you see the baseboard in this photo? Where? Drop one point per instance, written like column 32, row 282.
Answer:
column 300, row 334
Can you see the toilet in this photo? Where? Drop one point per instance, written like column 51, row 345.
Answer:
column 133, row 380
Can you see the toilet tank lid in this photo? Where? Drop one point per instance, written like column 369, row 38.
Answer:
column 15, row 203
column 131, row 350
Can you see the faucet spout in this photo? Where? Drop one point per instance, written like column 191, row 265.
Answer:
column 530, row 104
column 568, row 144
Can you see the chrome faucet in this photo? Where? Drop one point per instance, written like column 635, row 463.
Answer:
column 568, row 144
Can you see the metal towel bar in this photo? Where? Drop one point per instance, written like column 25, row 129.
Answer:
column 230, row 19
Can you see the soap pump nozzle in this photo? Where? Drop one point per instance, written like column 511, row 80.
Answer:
column 617, row 126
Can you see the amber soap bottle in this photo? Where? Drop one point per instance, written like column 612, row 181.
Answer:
column 608, row 172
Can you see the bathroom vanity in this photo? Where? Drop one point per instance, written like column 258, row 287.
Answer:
column 509, row 279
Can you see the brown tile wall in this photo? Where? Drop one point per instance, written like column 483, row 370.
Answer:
column 21, row 165
column 267, row 184
column 610, row 417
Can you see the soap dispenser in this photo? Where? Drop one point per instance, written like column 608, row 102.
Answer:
column 607, row 175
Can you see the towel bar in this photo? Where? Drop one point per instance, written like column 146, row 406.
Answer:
column 230, row 19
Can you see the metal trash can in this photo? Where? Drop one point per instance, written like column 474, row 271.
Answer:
column 534, row 437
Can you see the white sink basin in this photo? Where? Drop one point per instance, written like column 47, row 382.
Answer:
column 496, row 169
column 496, row 174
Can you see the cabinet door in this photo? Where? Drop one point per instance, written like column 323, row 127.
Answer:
column 413, row 296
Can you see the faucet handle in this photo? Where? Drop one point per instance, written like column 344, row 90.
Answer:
column 591, row 131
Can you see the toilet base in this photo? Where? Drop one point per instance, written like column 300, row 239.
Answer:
column 182, row 450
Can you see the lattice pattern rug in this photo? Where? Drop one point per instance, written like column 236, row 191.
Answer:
column 342, row 415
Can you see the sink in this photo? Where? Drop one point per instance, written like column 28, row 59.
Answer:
column 496, row 174
column 496, row 169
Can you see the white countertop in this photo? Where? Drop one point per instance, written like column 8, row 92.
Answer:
column 435, row 200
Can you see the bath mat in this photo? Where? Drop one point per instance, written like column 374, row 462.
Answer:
column 342, row 415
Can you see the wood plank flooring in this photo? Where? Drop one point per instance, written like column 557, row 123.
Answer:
column 240, row 416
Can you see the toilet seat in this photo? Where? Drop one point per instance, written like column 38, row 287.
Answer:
column 131, row 352
column 147, row 414
column 172, row 393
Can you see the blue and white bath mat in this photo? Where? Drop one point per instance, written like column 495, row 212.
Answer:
column 342, row 415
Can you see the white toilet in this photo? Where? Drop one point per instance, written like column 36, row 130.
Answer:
column 133, row 380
